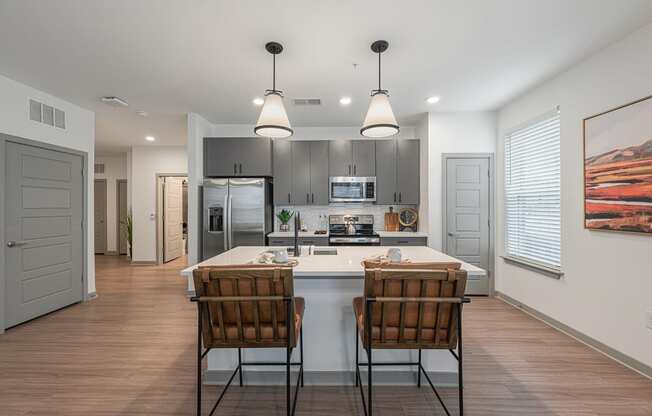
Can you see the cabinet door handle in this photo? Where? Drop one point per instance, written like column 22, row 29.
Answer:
column 288, row 197
column 400, row 197
column 355, row 169
column 235, row 168
column 394, row 196
column 313, row 198
column 307, row 198
column 240, row 168
column 402, row 242
column 349, row 170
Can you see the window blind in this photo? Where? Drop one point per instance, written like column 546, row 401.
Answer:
column 533, row 192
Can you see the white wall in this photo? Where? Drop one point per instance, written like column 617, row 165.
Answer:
column 146, row 163
column 607, row 286
column 79, row 135
column 115, row 167
column 463, row 132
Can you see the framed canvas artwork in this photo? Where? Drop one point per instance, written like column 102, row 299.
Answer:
column 618, row 169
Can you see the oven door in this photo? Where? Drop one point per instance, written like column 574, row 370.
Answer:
column 354, row 241
column 351, row 189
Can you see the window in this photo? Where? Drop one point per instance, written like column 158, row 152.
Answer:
column 533, row 193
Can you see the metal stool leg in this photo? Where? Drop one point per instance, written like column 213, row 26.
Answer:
column 301, row 353
column 240, row 364
column 199, row 359
column 460, row 367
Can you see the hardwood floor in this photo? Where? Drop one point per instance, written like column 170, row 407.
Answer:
column 131, row 352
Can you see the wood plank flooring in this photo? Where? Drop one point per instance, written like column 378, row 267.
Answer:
column 131, row 352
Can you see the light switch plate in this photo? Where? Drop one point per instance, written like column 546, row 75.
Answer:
column 648, row 320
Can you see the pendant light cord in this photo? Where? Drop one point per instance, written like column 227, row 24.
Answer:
column 379, row 71
column 274, row 72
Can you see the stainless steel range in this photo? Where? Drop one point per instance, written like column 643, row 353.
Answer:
column 352, row 230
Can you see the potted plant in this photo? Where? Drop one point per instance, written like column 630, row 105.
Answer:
column 129, row 225
column 284, row 216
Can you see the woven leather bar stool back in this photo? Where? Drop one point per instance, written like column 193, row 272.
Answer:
column 248, row 306
column 412, row 306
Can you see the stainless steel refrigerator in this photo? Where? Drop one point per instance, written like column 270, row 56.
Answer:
column 236, row 212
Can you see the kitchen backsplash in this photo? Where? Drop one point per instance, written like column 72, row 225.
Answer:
column 316, row 217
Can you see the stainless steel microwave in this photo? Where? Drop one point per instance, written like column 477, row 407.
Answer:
column 352, row 189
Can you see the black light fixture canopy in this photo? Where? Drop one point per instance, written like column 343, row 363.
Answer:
column 273, row 120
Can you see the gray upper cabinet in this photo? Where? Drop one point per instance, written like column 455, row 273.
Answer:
column 364, row 157
column 237, row 156
column 282, row 172
column 407, row 171
column 319, row 172
column 301, row 173
column 352, row 157
column 339, row 158
column 386, row 191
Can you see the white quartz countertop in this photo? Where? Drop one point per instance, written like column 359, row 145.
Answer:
column 290, row 234
column 346, row 264
column 402, row 234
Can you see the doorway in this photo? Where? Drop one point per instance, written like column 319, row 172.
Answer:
column 121, row 214
column 467, row 214
column 44, row 211
column 171, row 216
column 99, row 196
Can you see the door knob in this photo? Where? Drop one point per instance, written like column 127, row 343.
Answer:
column 15, row 243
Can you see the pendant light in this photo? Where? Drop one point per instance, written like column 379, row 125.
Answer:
column 380, row 120
column 273, row 120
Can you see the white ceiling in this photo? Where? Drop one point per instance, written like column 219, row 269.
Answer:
column 206, row 56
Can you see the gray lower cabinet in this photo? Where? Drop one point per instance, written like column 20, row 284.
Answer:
column 407, row 168
column 403, row 241
column 243, row 156
column 300, row 172
column 352, row 157
column 304, row 241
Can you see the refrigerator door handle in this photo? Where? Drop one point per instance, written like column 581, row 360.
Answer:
column 226, row 222
column 230, row 199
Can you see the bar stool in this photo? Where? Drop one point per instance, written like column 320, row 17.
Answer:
column 246, row 306
column 410, row 306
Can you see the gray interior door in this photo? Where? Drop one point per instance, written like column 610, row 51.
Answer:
column 100, row 216
column 408, row 171
column 340, row 158
column 386, row 172
column 122, row 216
column 282, row 172
column 319, row 172
column 467, row 210
column 301, row 173
column 43, row 224
column 364, row 157
column 246, row 212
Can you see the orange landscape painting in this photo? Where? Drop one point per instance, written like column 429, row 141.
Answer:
column 618, row 169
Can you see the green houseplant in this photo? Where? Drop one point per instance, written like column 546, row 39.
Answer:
column 284, row 216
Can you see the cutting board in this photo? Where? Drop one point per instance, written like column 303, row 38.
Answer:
column 391, row 221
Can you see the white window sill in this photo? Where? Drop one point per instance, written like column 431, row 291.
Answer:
column 539, row 268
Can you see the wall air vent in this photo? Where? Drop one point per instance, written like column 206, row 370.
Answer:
column 306, row 101
column 99, row 168
column 46, row 114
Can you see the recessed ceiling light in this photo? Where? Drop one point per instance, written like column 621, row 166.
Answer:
column 258, row 101
column 142, row 113
column 150, row 138
column 345, row 100
column 432, row 100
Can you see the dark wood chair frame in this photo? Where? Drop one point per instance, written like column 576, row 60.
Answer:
column 369, row 301
column 288, row 301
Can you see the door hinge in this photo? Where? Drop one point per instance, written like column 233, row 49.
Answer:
column 488, row 173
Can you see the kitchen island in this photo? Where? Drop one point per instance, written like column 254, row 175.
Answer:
column 329, row 283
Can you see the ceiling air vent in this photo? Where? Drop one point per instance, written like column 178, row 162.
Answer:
column 99, row 168
column 43, row 113
column 306, row 101
column 114, row 101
